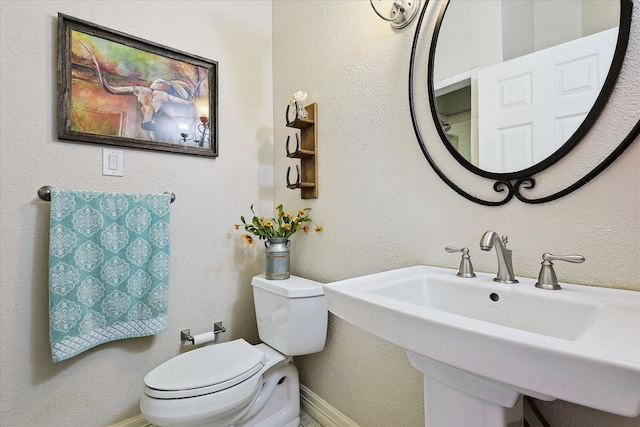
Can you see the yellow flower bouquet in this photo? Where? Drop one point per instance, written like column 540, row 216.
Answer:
column 281, row 227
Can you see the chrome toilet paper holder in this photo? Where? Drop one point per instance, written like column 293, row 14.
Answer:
column 185, row 334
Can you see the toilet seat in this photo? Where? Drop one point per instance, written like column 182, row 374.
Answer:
column 190, row 374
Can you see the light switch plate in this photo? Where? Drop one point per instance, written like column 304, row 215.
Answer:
column 112, row 162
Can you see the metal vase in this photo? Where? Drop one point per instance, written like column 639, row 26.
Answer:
column 277, row 259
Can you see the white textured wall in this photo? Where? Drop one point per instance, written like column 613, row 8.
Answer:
column 383, row 207
column 380, row 203
column 210, row 273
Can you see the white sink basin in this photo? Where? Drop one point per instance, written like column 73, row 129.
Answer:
column 580, row 344
column 564, row 315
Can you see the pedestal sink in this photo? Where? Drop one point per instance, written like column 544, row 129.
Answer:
column 481, row 344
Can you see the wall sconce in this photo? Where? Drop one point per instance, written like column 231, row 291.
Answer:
column 203, row 128
column 191, row 130
column 402, row 12
column 202, row 105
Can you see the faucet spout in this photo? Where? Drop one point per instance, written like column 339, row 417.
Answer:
column 505, row 266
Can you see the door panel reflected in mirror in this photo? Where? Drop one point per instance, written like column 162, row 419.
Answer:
column 514, row 80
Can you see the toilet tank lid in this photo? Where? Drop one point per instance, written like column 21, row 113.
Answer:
column 293, row 287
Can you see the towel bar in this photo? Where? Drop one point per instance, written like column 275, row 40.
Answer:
column 45, row 193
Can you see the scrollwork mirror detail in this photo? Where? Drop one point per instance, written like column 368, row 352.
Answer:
column 515, row 182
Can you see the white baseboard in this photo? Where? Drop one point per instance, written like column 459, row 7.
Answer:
column 137, row 421
column 321, row 411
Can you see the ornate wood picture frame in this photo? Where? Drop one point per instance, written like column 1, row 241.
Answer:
column 117, row 89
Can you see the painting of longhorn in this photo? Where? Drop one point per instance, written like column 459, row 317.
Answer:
column 120, row 90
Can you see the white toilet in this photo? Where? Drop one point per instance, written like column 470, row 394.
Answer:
column 239, row 384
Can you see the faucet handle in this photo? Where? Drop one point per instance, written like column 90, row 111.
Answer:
column 465, row 269
column 547, row 278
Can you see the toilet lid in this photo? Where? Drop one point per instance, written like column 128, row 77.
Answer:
column 205, row 370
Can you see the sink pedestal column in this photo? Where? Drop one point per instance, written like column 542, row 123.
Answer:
column 455, row 398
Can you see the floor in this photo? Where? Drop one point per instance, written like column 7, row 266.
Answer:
column 307, row 421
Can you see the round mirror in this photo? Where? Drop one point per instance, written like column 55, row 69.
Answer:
column 515, row 85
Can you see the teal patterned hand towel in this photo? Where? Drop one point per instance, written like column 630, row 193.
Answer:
column 108, row 268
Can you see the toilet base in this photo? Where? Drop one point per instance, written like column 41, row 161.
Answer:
column 275, row 402
column 283, row 404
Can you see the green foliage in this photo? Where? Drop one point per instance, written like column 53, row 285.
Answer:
column 283, row 226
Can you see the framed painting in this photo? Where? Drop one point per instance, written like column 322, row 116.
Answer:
column 117, row 89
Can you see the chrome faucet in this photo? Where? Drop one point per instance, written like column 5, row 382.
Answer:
column 505, row 265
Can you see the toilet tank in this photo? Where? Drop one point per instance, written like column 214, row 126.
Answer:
column 291, row 314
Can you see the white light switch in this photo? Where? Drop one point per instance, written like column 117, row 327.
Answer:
column 112, row 162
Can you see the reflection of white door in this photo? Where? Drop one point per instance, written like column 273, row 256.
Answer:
column 529, row 106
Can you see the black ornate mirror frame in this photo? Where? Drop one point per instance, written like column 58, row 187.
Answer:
column 513, row 182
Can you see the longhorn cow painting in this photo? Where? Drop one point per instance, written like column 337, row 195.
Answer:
column 116, row 89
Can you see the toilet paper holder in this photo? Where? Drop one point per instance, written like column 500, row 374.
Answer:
column 185, row 334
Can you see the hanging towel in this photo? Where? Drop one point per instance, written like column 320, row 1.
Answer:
column 108, row 268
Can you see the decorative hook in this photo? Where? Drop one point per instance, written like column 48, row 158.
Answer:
column 289, row 123
column 295, row 153
column 295, row 184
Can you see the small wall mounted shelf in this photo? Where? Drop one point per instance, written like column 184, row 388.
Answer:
column 307, row 151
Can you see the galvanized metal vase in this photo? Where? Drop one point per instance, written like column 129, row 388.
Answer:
column 277, row 258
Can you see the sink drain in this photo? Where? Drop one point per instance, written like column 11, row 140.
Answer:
column 494, row 297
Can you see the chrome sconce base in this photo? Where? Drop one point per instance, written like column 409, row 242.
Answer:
column 402, row 12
